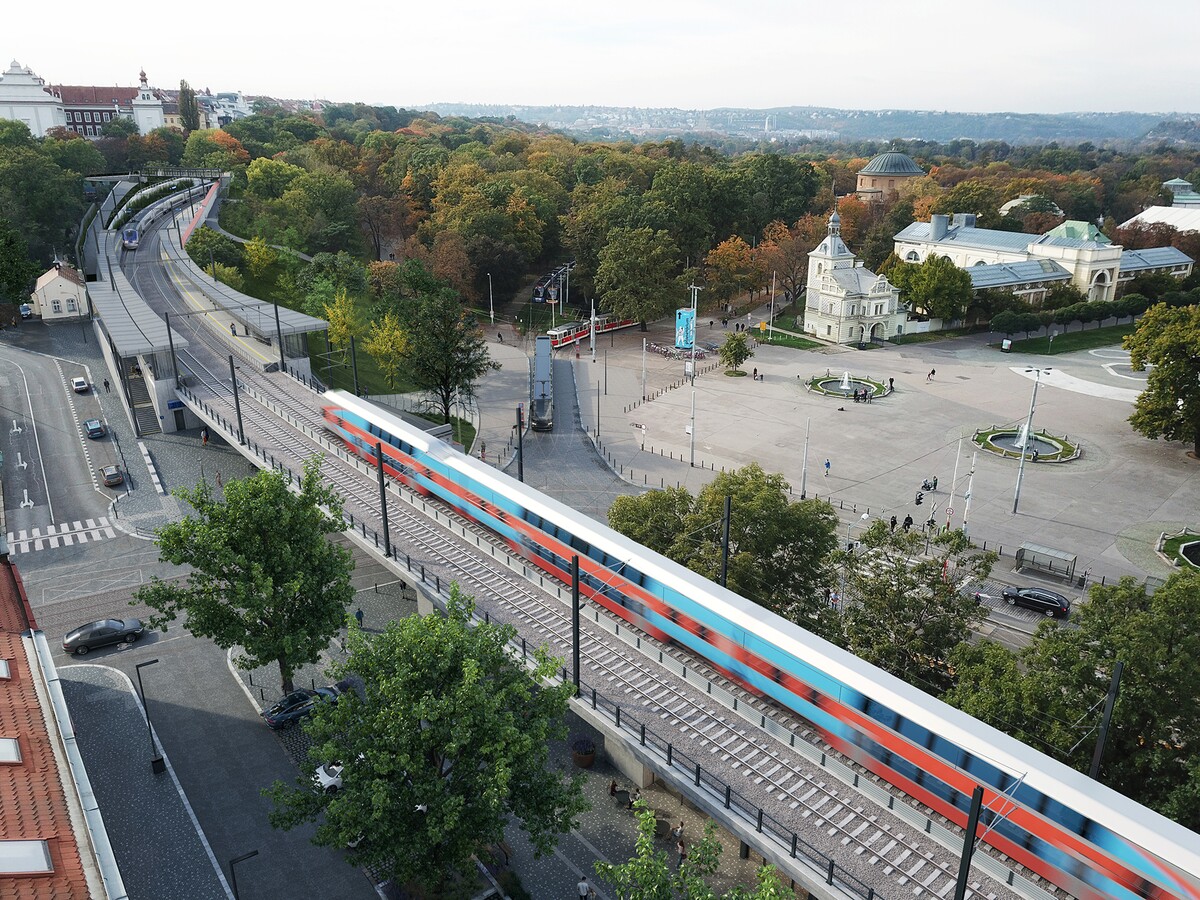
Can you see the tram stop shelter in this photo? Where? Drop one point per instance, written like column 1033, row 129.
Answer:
column 1059, row 563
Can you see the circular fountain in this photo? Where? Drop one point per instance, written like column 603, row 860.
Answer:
column 1013, row 443
column 846, row 385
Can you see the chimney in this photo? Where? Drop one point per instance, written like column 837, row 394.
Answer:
column 964, row 220
column 938, row 226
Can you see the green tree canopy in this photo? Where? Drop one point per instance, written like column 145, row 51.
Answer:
column 207, row 246
column 777, row 548
column 904, row 611
column 445, row 353
column 936, row 286
column 1050, row 695
column 189, row 110
column 735, row 350
column 264, row 576
column 634, row 274
column 1167, row 339
column 447, row 742
column 17, row 270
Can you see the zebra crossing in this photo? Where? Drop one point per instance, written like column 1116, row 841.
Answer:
column 66, row 534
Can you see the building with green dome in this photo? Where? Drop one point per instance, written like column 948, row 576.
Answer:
column 880, row 179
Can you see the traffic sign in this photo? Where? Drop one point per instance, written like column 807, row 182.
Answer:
column 949, row 510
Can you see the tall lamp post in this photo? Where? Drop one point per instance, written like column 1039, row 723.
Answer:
column 157, row 766
column 1037, row 380
column 233, row 872
column 849, row 545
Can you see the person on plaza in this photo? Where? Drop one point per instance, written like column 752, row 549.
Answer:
column 204, row 436
column 1035, row 455
column 612, row 788
column 500, row 334
column 677, row 831
column 891, row 384
column 681, row 849
column 755, row 376
column 827, row 465
column 828, row 595
column 893, row 524
column 869, row 394
column 935, row 482
column 586, row 891
column 908, row 522
column 358, row 616
column 233, row 329
column 106, row 386
column 634, row 797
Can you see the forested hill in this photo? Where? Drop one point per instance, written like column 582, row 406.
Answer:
column 837, row 124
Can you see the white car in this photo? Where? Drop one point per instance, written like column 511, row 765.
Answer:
column 79, row 385
column 328, row 778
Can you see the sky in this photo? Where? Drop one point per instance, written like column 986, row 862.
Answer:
column 1010, row 56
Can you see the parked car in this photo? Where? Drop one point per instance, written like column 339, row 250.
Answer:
column 111, row 476
column 79, row 385
column 295, row 706
column 1041, row 600
column 102, row 633
column 26, row 310
column 94, row 428
column 328, row 778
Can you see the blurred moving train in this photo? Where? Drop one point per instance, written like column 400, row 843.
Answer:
column 573, row 332
column 1081, row 836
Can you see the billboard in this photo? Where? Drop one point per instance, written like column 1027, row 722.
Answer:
column 685, row 328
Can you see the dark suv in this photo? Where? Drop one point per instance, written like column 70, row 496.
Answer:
column 1040, row 600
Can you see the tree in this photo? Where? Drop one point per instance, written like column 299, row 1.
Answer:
column 387, row 344
column 269, row 179
column 258, row 256
column 445, row 353
column 777, row 548
column 448, row 740
column 1166, row 340
column 936, row 286
column 634, row 275
column 1006, row 322
column 119, row 127
column 735, row 350
column 16, row 268
column 212, row 148
column 649, row 875
column 1051, row 693
column 207, row 246
column 228, row 275
column 730, row 269
column 263, row 574
column 345, row 322
column 906, row 611
column 189, row 110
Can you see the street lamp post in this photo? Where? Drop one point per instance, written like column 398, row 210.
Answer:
column 1050, row 348
column 157, row 766
column 1037, row 380
column 233, row 872
column 859, row 524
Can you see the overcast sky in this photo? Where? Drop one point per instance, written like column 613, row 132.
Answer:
column 1015, row 55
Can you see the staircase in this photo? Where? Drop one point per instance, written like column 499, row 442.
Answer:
column 143, row 409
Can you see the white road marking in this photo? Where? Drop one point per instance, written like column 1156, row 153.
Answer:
column 64, row 535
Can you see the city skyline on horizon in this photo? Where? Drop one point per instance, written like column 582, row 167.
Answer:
column 701, row 56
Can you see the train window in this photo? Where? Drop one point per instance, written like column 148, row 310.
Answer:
column 952, row 753
column 1057, row 812
column 986, row 772
column 883, row 714
column 912, row 731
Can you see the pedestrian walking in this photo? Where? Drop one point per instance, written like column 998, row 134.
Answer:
column 1034, row 458
column 677, row 831
column 107, row 388
column 756, row 373
column 612, row 788
column 500, row 334
column 893, row 524
column 908, row 522
column 358, row 616
column 827, row 465
column 891, row 384
column 220, row 484
column 681, row 849
column 204, row 436
column 233, row 329
column 634, row 797
column 929, row 377
column 870, row 394
column 586, row 891
column 828, row 595
column 935, row 482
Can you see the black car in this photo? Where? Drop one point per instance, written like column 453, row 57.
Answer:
column 296, row 705
column 102, row 633
column 1039, row 599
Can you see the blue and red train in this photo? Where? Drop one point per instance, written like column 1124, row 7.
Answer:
column 1089, row 840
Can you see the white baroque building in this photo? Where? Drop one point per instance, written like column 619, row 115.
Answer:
column 846, row 302
column 24, row 97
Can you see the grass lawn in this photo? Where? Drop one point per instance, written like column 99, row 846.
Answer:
column 786, row 340
column 927, row 336
column 1172, row 546
column 339, row 373
column 1076, row 340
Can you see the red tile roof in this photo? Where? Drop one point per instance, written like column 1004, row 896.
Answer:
column 91, row 95
column 32, row 794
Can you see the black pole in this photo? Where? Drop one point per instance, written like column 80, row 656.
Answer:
column 237, row 401
column 597, row 409
column 575, row 617
column 964, row 866
column 605, row 373
column 157, row 766
column 725, row 539
column 328, row 359
column 279, row 337
column 171, row 344
column 520, row 445
column 387, row 541
column 1094, row 774
column 354, row 365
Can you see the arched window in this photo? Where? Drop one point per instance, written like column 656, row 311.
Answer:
column 912, row 256
column 818, row 268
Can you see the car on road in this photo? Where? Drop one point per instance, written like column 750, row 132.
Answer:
column 94, row 428
column 111, row 476
column 102, row 633
column 26, row 310
column 293, row 707
column 79, row 385
column 1051, row 603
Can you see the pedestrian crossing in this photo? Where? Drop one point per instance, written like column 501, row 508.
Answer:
column 65, row 535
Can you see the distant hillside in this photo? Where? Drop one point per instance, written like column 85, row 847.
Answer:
column 841, row 124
